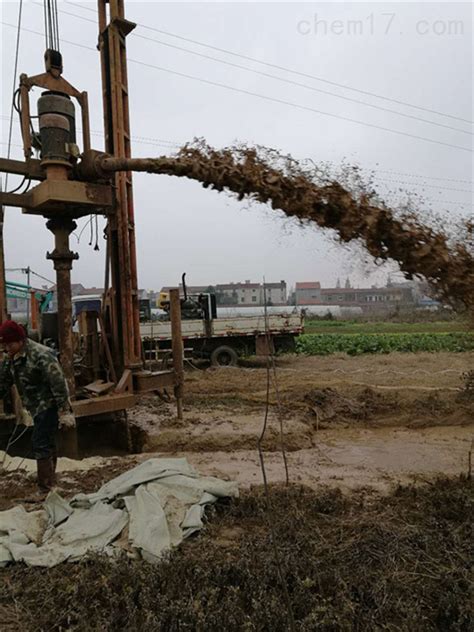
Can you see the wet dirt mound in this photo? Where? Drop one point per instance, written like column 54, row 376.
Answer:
column 364, row 562
column 328, row 404
column 312, row 196
column 221, row 431
column 326, row 392
column 328, row 407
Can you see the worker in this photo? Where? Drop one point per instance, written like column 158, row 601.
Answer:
column 40, row 382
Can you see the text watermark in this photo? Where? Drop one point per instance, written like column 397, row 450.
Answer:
column 378, row 24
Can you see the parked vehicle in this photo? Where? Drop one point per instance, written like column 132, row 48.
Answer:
column 222, row 339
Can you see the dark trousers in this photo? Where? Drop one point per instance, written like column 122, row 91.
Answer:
column 45, row 428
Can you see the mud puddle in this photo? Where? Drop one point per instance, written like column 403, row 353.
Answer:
column 377, row 458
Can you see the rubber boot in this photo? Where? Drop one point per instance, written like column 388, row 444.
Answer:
column 44, row 468
column 54, row 464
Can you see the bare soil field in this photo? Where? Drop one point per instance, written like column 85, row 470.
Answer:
column 370, row 420
column 373, row 531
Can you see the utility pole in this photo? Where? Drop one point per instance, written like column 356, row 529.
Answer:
column 28, row 283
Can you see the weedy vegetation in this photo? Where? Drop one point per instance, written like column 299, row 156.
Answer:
column 363, row 562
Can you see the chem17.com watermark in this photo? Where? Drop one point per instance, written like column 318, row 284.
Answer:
column 379, row 24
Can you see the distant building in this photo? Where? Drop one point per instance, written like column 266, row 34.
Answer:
column 242, row 293
column 370, row 299
column 276, row 293
column 248, row 293
column 16, row 305
column 308, row 292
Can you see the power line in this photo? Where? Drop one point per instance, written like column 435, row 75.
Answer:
column 287, row 81
column 272, row 99
column 432, row 186
column 290, row 70
column 308, row 76
column 25, row 270
column 304, row 85
column 282, row 79
column 415, row 175
column 168, row 144
column 81, row 6
column 74, row 15
column 298, row 105
column 441, row 202
column 141, row 140
column 27, row 30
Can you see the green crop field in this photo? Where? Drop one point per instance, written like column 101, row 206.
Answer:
column 357, row 327
column 357, row 344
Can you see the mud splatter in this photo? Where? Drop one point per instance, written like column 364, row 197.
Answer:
column 308, row 194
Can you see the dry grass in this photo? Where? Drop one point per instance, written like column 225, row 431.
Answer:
column 364, row 562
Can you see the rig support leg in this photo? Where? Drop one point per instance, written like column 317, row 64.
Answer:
column 178, row 349
column 62, row 258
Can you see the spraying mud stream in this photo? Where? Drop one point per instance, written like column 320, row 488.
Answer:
column 312, row 197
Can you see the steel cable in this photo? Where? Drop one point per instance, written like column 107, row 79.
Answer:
column 15, row 70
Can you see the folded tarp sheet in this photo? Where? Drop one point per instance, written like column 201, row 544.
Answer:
column 145, row 511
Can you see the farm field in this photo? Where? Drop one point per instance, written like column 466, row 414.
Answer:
column 377, row 449
column 360, row 343
column 381, row 327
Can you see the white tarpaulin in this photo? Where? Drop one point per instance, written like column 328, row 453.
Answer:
column 154, row 506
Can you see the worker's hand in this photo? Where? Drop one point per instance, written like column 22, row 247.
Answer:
column 67, row 419
column 26, row 418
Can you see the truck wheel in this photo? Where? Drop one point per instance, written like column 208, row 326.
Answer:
column 224, row 356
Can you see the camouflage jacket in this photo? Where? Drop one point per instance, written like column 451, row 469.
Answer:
column 38, row 377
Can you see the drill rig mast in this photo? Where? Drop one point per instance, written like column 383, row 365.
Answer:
column 71, row 187
column 122, row 258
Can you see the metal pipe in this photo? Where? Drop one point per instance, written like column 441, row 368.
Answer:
column 86, row 133
column 63, row 258
column 25, row 117
column 177, row 348
column 114, row 164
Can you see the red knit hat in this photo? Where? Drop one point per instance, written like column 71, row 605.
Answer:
column 11, row 332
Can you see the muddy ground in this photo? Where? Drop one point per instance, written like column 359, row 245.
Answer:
column 358, row 551
column 370, row 420
column 373, row 421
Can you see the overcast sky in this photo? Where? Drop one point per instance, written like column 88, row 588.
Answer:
column 418, row 53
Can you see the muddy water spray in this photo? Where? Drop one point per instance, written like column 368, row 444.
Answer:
column 266, row 176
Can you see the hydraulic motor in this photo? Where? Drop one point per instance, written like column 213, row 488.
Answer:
column 57, row 125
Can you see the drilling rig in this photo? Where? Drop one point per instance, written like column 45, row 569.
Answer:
column 74, row 180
